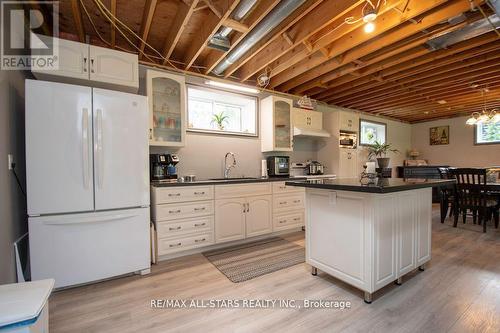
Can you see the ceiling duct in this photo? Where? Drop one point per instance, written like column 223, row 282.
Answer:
column 495, row 4
column 271, row 21
column 220, row 40
column 467, row 32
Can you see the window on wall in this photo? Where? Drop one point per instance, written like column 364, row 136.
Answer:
column 487, row 133
column 371, row 131
column 221, row 112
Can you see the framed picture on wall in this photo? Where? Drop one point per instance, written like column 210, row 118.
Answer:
column 439, row 135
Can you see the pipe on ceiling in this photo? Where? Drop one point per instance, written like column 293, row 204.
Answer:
column 271, row 21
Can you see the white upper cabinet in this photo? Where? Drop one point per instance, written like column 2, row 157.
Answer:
column 92, row 65
column 73, row 59
column 276, row 124
column 307, row 119
column 349, row 121
column 114, row 67
column 167, row 109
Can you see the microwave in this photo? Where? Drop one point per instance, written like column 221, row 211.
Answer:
column 348, row 140
column 278, row 166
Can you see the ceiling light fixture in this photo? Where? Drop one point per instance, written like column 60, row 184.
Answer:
column 369, row 27
column 484, row 117
column 232, row 86
column 369, row 16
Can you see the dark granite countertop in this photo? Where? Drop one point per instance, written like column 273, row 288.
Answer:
column 382, row 185
column 225, row 181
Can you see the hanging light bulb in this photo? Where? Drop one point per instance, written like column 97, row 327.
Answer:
column 471, row 121
column 496, row 118
column 369, row 27
column 483, row 118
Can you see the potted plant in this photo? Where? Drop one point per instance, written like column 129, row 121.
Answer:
column 380, row 150
column 220, row 119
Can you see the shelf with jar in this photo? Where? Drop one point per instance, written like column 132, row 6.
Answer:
column 167, row 102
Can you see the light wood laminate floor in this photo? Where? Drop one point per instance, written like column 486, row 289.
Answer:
column 458, row 292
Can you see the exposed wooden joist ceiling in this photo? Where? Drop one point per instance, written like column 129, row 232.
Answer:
column 314, row 51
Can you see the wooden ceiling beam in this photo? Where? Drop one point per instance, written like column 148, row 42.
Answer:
column 466, row 49
column 147, row 19
column 422, row 62
column 77, row 17
column 267, row 42
column 207, row 29
column 214, row 8
column 184, row 13
column 214, row 57
column 304, row 72
column 311, row 24
column 427, row 77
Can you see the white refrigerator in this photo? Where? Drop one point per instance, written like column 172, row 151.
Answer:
column 87, row 179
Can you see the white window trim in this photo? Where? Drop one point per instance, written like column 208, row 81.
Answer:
column 476, row 143
column 218, row 132
column 371, row 122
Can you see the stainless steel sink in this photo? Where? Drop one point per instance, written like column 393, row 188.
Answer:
column 235, row 178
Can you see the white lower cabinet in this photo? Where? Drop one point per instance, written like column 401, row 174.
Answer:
column 259, row 215
column 239, row 218
column 230, row 219
column 288, row 207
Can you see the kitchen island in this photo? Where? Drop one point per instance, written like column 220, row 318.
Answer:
column 368, row 235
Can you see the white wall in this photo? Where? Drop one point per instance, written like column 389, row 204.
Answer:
column 461, row 151
column 13, row 221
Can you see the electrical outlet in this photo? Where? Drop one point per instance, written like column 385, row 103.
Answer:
column 10, row 159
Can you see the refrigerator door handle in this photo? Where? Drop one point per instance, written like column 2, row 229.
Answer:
column 85, row 147
column 92, row 220
column 99, row 150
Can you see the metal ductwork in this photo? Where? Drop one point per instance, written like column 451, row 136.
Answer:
column 495, row 4
column 271, row 21
column 220, row 40
column 469, row 31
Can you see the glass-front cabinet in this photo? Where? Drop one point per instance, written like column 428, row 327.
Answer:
column 167, row 109
column 276, row 124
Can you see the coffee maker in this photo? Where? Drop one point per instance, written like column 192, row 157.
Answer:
column 162, row 167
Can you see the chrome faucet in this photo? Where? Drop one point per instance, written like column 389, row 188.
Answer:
column 227, row 168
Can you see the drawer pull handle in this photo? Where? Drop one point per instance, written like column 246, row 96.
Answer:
column 174, row 211
column 198, row 209
column 175, row 245
column 178, row 228
column 174, row 194
column 283, row 202
column 282, row 221
column 297, row 219
column 199, row 240
column 282, row 187
column 296, row 201
column 199, row 193
column 200, row 224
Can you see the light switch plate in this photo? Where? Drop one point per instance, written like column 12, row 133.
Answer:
column 10, row 159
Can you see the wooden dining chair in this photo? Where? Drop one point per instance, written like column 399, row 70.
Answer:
column 471, row 195
column 447, row 194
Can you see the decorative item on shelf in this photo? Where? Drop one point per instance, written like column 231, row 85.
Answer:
column 414, row 154
column 380, row 150
column 367, row 177
column 305, row 103
column 485, row 116
column 220, row 119
column 439, row 135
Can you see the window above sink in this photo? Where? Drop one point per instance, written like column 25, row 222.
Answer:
column 220, row 112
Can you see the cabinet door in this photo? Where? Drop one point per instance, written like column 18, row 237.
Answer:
column 229, row 219
column 282, row 124
column 349, row 121
column 315, row 120
column 114, row 67
column 348, row 163
column 167, row 109
column 259, row 215
column 73, row 59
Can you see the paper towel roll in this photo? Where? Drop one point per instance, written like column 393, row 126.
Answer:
column 263, row 169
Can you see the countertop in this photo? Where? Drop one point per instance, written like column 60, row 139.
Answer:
column 225, row 181
column 382, row 185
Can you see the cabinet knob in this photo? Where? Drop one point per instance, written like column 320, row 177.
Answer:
column 199, row 209
column 175, row 245
column 283, row 202
column 172, row 229
column 92, row 65
column 199, row 193
column 85, row 64
column 174, row 194
column 199, row 240
column 174, row 211
column 199, row 224
column 282, row 221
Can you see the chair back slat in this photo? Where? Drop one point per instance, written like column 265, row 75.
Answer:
column 470, row 187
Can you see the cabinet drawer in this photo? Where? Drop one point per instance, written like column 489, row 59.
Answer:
column 288, row 220
column 242, row 190
column 182, row 210
column 287, row 202
column 170, row 245
column 176, row 227
column 163, row 195
column 280, row 187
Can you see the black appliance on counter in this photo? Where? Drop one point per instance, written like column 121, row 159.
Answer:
column 162, row 167
column 278, row 166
